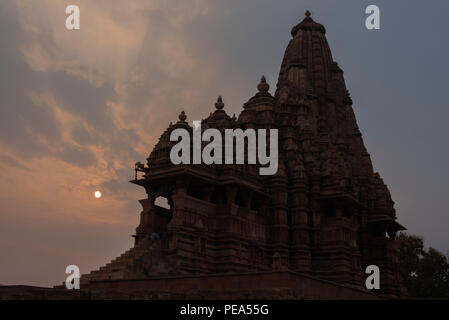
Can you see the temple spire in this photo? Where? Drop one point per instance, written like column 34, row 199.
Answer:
column 219, row 104
column 307, row 58
column 263, row 86
column 182, row 116
column 307, row 24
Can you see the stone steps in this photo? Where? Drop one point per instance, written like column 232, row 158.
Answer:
column 118, row 267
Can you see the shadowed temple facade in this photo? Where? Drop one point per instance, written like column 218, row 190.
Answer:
column 309, row 231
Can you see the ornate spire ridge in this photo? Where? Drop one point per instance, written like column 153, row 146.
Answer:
column 307, row 59
column 219, row 104
column 182, row 116
column 307, row 24
column 263, row 86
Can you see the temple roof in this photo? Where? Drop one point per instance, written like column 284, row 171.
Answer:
column 262, row 96
column 319, row 140
column 219, row 118
column 307, row 64
column 307, row 24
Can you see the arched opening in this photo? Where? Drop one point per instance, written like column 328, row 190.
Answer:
column 162, row 202
column 163, row 213
column 239, row 200
column 254, row 204
column 218, row 196
column 195, row 192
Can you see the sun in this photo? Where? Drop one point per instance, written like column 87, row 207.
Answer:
column 97, row 194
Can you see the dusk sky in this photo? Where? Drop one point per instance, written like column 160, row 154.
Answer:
column 78, row 108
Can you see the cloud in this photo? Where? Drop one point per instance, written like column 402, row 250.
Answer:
column 79, row 108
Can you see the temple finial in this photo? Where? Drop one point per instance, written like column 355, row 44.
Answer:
column 219, row 104
column 263, row 86
column 182, row 116
column 308, row 14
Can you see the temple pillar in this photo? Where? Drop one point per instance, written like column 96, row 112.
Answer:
column 207, row 192
column 231, row 192
column 179, row 202
column 279, row 209
column 178, row 213
column 300, row 240
column 146, row 224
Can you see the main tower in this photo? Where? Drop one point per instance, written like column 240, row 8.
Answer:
column 325, row 214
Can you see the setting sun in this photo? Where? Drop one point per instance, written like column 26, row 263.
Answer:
column 97, row 194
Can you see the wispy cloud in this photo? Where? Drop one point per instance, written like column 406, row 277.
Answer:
column 79, row 108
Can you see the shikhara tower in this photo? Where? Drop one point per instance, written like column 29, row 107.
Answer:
column 325, row 214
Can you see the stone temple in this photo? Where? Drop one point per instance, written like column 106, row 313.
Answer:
column 309, row 231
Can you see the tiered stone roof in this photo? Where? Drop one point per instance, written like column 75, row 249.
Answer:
column 325, row 212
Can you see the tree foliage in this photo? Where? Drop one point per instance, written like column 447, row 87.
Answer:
column 425, row 271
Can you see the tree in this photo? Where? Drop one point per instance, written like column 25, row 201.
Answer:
column 425, row 272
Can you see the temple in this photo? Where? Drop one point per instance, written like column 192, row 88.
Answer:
column 308, row 231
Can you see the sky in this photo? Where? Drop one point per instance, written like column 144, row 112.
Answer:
column 78, row 108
